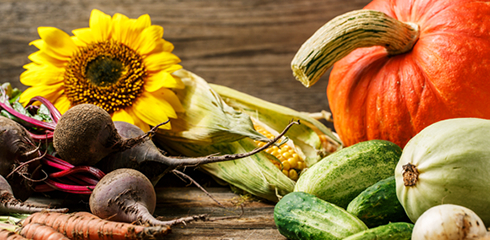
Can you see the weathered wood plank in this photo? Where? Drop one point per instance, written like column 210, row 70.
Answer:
column 255, row 221
column 246, row 45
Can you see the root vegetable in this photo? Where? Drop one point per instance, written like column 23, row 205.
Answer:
column 448, row 222
column 9, row 235
column 83, row 225
column 149, row 159
column 10, row 204
column 85, row 134
column 126, row 195
column 17, row 148
column 36, row 231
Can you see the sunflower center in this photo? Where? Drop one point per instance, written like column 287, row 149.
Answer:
column 107, row 74
column 104, row 71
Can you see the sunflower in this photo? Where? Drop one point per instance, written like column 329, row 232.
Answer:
column 120, row 64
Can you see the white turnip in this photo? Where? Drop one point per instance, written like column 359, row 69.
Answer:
column 448, row 222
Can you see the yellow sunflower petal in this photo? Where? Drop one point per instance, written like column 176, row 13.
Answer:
column 138, row 122
column 62, row 104
column 152, row 110
column 122, row 116
column 57, row 40
column 162, row 79
column 100, row 24
column 41, row 74
column 40, row 57
column 134, row 30
column 50, row 92
column 168, row 46
column 83, row 35
column 171, row 98
column 148, row 39
column 44, row 48
column 120, row 25
column 161, row 61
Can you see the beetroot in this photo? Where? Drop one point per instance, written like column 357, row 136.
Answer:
column 10, row 204
column 126, row 195
column 85, row 134
column 18, row 158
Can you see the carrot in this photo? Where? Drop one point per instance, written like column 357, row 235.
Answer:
column 84, row 225
column 36, row 231
column 9, row 235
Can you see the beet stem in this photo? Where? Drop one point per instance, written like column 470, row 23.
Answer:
column 68, row 187
column 77, row 169
column 54, row 113
column 30, row 120
column 61, row 162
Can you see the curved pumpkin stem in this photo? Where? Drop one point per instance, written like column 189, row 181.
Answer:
column 347, row 32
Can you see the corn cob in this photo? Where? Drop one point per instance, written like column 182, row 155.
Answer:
column 312, row 137
column 269, row 174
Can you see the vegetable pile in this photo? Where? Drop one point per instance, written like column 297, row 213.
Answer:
column 407, row 91
column 84, row 152
column 413, row 74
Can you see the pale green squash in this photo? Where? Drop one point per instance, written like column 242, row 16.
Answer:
column 447, row 162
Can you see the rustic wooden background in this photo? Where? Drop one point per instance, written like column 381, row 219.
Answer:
column 244, row 44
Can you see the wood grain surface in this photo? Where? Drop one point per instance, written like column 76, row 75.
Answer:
column 243, row 44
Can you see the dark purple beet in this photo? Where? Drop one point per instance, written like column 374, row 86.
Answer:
column 85, row 134
column 124, row 195
column 17, row 147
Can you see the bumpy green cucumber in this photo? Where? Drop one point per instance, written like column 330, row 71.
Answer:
column 390, row 231
column 301, row 215
column 378, row 204
column 341, row 176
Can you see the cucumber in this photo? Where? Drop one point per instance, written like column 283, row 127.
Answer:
column 341, row 176
column 301, row 215
column 390, row 231
column 378, row 204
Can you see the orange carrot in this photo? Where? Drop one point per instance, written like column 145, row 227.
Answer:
column 36, row 231
column 9, row 235
column 84, row 225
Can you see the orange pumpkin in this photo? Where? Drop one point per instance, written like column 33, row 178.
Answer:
column 376, row 92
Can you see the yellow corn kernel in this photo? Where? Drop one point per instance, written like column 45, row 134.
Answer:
column 285, row 165
column 291, row 162
column 293, row 174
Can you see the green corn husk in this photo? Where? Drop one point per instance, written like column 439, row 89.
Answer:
column 207, row 119
column 305, row 136
column 256, row 175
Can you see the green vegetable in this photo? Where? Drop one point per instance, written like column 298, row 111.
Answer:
column 390, row 231
column 378, row 204
column 446, row 163
column 300, row 215
column 341, row 176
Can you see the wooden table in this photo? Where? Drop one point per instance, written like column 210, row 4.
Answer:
column 255, row 222
column 244, row 44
